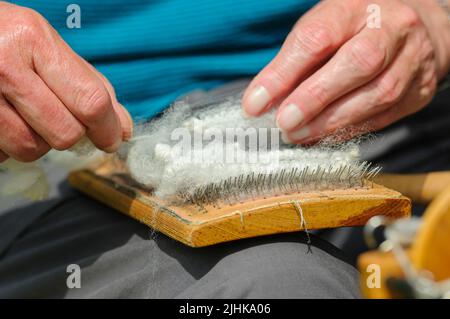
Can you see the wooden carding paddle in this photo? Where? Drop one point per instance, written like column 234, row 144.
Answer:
column 197, row 227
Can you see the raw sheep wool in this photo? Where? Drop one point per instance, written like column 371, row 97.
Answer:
column 30, row 179
column 200, row 168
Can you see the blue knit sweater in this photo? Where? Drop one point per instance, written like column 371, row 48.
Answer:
column 155, row 50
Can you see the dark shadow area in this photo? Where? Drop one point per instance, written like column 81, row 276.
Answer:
column 199, row 261
column 47, row 236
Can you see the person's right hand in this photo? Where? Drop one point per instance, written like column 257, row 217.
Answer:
column 338, row 75
column 49, row 96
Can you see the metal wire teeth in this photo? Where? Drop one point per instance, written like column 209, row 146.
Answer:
column 238, row 188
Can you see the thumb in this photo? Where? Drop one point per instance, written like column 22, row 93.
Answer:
column 125, row 119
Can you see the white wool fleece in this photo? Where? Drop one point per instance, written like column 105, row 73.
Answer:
column 172, row 168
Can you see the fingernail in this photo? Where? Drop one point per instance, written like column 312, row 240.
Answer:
column 285, row 138
column 113, row 148
column 126, row 122
column 257, row 101
column 289, row 117
column 300, row 134
column 128, row 130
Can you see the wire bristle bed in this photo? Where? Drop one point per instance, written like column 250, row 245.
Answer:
column 248, row 186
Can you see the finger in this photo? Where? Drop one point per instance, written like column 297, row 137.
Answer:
column 420, row 94
column 123, row 114
column 357, row 62
column 17, row 138
column 311, row 42
column 3, row 157
column 44, row 112
column 416, row 97
column 365, row 102
column 81, row 91
column 125, row 120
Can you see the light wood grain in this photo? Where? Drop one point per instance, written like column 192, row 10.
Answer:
column 430, row 250
column 420, row 188
column 256, row 217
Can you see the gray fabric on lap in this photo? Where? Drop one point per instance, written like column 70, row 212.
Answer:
column 121, row 258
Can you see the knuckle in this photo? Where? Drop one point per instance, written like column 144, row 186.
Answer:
column 409, row 17
column 94, row 102
column 29, row 24
column 277, row 76
column 365, row 56
column 317, row 93
column 334, row 122
column 388, row 90
column 28, row 150
column 24, row 29
column 29, row 16
column 67, row 140
column 428, row 88
column 314, row 39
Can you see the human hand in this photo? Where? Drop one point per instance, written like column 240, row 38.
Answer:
column 49, row 96
column 335, row 71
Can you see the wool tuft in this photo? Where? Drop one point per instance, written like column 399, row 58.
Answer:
column 159, row 159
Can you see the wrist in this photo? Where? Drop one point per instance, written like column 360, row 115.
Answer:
column 435, row 18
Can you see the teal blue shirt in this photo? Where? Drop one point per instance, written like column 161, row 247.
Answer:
column 155, row 50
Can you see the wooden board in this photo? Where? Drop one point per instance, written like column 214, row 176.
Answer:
column 111, row 185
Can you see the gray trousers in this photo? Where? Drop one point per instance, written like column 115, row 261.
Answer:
column 122, row 258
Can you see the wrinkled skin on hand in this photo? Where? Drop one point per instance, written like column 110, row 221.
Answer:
column 335, row 70
column 49, row 96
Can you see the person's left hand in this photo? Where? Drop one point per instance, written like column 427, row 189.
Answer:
column 335, row 71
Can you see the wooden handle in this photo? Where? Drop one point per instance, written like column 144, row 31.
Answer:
column 421, row 188
column 429, row 250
